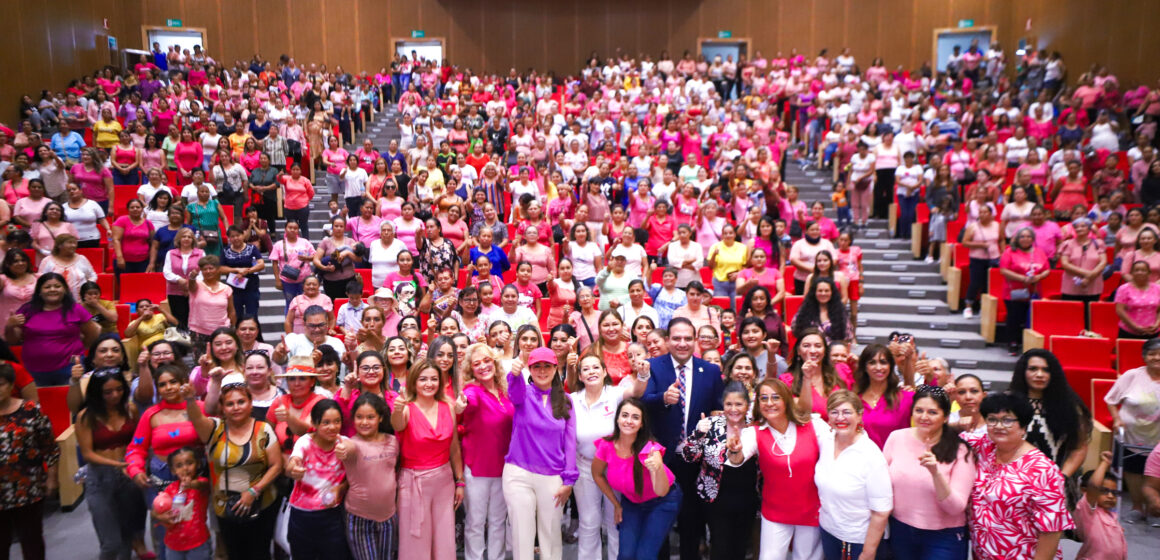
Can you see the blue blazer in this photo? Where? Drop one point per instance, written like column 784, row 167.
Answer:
column 666, row 420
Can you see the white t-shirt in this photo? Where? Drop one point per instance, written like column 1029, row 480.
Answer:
column 907, row 177
column 583, row 259
column 850, row 486
column 147, row 192
column 85, row 219
column 596, row 421
column 354, row 183
column 385, row 260
column 189, row 192
column 636, row 257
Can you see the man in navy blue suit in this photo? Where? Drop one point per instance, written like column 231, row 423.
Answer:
column 680, row 390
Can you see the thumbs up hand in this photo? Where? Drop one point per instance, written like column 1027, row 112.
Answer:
column 704, row 424
column 78, row 369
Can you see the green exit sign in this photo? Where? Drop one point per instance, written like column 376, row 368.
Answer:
column 173, row 23
column 724, row 34
column 418, row 33
column 966, row 23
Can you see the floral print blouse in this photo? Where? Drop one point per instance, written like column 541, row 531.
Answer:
column 708, row 450
column 27, row 446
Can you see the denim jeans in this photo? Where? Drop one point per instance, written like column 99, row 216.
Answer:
column 159, row 478
column 117, row 508
column 291, row 290
column 907, row 210
column 726, row 288
column 924, row 544
column 204, row 551
column 53, row 378
column 645, row 526
column 835, row 549
column 246, row 301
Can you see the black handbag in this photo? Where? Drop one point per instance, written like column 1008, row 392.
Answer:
column 232, row 498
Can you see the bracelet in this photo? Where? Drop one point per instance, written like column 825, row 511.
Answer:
column 460, row 484
column 252, row 491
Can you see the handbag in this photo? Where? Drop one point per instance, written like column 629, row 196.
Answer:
column 288, row 272
column 232, row 497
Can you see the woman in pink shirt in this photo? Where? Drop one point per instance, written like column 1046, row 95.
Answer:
column 1138, row 304
column 485, row 417
column 311, row 295
column 932, row 472
column 629, row 469
column 316, row 528
column 369, row 460
column 431, row 484
column 1147, row 242
column 366, row 227
column 1082, row 259
column 1023, row 266
column 298, row 193
column 887, row 405
column 131, row 239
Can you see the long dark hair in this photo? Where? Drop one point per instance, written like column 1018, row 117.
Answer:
column 452, row 374
column 67, row 301
column 94, row 407
column 10, row 256
column 946, row 449
column 862, row 377
column 830, row 379
column 380, row 407
column 643, row 436
column 1067, row 417
column 320, row 408
column 124, row 365
column 809, row 315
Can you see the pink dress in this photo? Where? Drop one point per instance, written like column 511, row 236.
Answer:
column 13, row 295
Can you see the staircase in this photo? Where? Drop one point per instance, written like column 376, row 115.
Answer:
column 272, row 309
column 908, row 295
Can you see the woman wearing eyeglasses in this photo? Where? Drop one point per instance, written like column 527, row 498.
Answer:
column 370, row 376
column 245, row 460
column 1018, row 504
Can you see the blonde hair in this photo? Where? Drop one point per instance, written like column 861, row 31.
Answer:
column 468, row 376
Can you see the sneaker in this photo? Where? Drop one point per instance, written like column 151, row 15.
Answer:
column 1135, row 516
column 968, row 313
column 928, row 260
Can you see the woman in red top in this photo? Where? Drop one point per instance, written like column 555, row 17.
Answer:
column 431, row 466
column 785, row 442
column 126, row 159
column 187, row 156
column 660, row 227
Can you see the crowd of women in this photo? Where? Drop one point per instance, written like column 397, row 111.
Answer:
column 577, row 299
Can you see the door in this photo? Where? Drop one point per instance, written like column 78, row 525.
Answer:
column 424, row 49
column 724, row 48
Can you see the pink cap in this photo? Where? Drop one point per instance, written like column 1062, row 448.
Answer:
column 542, row 354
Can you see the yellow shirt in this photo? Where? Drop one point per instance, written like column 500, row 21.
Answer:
column 151, row 330
column 238, row 142
column 107, row 134
column 729, row 259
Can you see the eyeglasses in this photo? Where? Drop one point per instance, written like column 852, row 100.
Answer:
column 769, row 398
column 316, row 325
column 1005, row 422
column 842, row 413
column 370, row 369
column 162, row 353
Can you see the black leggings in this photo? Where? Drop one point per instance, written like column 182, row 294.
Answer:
column 883, row 192
column 1017, row 318
column 28, row 524
column 250, row 539
column 179, row 307
column 978, row 270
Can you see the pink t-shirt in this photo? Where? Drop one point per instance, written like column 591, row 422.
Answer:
column 135, row 240
column 1103, row 537
column 208, row 309
column 1132, row 257
column 299, row 304
column 370, row 469
column 1140, row 305
column 802, row 250
column 1138, row 397
column 1152, row 465
column 1086, row 256
column 620, row 470
column 92, row 183
column 283, row 252
column 1047, row 237
column 321, row 486
column 1023, row 263
column 914, row 492
column 848, row 262
column 767, row 279
column 486, row 426
column 407, row 232
column 529, row 293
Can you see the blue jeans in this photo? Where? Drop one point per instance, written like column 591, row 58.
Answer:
column 834, row 549
column 844, row 216
column 925, row 544
column 907, row 209
column 159, row 478
column 645, row 527
column 291, row 290
column 117, row 507
column 54, row 378
column 590, row 282
column 726, row 288
column 246, row 301
column 203, row 552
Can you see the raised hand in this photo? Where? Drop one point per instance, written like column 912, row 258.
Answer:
column 342, row 449
column 461, row 404
column 928, row 461
column 205, row 361
column 78, row 369
column 282, row 414
column 704, row 424
column 281, row 347
column 672, row 394
column 733, row 443
column 653, row 462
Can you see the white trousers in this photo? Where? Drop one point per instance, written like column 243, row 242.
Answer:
column 777, row 537
column 486, row 507
column 531, row 503
column 596, row 512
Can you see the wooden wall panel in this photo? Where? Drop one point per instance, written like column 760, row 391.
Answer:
column 273, row 34
column 309, row 41
column 829, row 26
column 238, row 33
column 895, row 33
column 340, row 34
column 652, row 28
column 622, row 27
column 375, row 52
column 765, row 35
column 499, row 45
column 563, row 37
column 862, row 31
column 201, row 13
column 683, row 27
column 591, row 28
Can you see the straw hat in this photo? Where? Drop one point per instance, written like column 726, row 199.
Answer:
column 299, row 366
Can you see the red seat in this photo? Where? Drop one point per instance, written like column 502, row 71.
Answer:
column 1104, row 320
column 123, row 317
column 338, row 303
column 789, row 283
column 792, row 304
column 33, row 257
column 956, row 227
column 1051, row 287
column 995, row 284
column 461, row 281
column 722, row 302
column 96, row 256
column 1083, row 351
column 122, row 194
column 656, row 275
column 1099, row 389
column 707, row 277
column 171, row 178
column 229, row 211
column 142, row 285
column 962, row 261
column 1056, row 318
column 54, row 405
column 509, row 276
column 108, row 287
column 1129, row 354
column 1110, row 286
column 367, row 282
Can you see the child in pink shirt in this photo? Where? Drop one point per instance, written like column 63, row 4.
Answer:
column 186, row 532
column 1095, row 516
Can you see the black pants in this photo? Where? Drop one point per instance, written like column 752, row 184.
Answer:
column 130, row 266
column 883, row 193
column 1017, row 311
column 302, row 216
column 91, row 244
column 268, row 210
column 978, row 271
column 1128, row 334
column 250, row 539
column 179, row 307
column 731, row 524
column 694, row 514
column 335, row 289
column 1087, row 301
column 27, row 522
column 318, row 535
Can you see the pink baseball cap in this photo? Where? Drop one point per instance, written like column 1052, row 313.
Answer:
column 542, row 354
